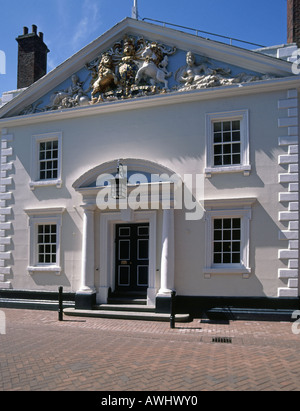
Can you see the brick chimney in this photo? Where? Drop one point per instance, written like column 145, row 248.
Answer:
column 293, row 21
column 32, row 57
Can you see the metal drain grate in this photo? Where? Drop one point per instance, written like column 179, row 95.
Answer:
column 226, row 340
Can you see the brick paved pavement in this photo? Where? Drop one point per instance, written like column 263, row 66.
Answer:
column 40, row 353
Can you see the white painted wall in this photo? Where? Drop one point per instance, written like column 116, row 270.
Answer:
column 173, row 136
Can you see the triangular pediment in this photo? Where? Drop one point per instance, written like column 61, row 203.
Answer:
column 138, row 59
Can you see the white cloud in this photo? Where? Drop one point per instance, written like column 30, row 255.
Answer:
column 88, row 24
column 77, row 23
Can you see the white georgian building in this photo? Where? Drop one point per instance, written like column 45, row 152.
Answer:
column 204, row 136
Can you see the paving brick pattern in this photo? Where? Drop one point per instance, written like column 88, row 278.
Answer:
column 39, row 353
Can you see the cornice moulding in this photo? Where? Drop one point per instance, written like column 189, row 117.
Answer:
column 155, row 101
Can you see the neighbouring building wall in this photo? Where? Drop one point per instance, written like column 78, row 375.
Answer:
column 293, row 21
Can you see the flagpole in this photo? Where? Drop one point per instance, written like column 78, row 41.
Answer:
column 135, row 14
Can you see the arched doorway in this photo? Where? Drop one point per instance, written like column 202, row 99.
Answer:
column 134, row 250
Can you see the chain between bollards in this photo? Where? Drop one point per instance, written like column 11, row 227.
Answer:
column 172, row 315
column 60, row 304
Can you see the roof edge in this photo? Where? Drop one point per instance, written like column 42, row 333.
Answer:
column 190, row 42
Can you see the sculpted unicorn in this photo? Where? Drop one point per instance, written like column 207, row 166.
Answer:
column 154, row 67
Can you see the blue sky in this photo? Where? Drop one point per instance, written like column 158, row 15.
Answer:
column 69, row 25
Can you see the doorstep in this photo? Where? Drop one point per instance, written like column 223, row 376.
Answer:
column 129, row 314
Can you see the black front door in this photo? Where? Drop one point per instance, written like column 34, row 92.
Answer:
column 132, row 258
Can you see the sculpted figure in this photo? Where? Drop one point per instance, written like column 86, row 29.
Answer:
column 154, row 67
column 70, row 97
column 197, row 76
column 189, row 73
column 127, row 66
column 106, row 78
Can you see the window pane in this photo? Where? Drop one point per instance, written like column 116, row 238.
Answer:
column 236, row 235
column 227, row 223
column 218, row 160
column 227, row 148
column 227, row 235
column 226, row 137
column 236, row 259
column 218, row 149
column 48, row 151
column 227, row 160
column 218, row 247
column 226, row 258
column 217, row 224
column 227, row 244
column 47, row 243
column 236, row 246
column 218, row 138
column 226, row 126
column 236, row 159
column 226, row 247
column 236, row 136
column 236, row 148
column 236, row 223
column 218, row 235
column 217, row 127
column 217, row 258
column 224, row 134
column 236, row 125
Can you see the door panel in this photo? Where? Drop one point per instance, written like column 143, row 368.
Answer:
column 132, row 257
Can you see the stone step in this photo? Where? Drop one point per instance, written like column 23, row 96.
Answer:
column 127, row 301
column 126, row 315
column 33, row 304
column 125, row 307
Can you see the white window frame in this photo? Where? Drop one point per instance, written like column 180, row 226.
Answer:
column 211, row 118
column 43, row 217
column 218, row 209
column 35, row 177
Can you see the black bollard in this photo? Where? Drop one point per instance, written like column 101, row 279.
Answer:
column 60, row 304
column 172, row 316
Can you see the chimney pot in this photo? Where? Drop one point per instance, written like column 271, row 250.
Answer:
column 293, row 22
column 32, row 57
